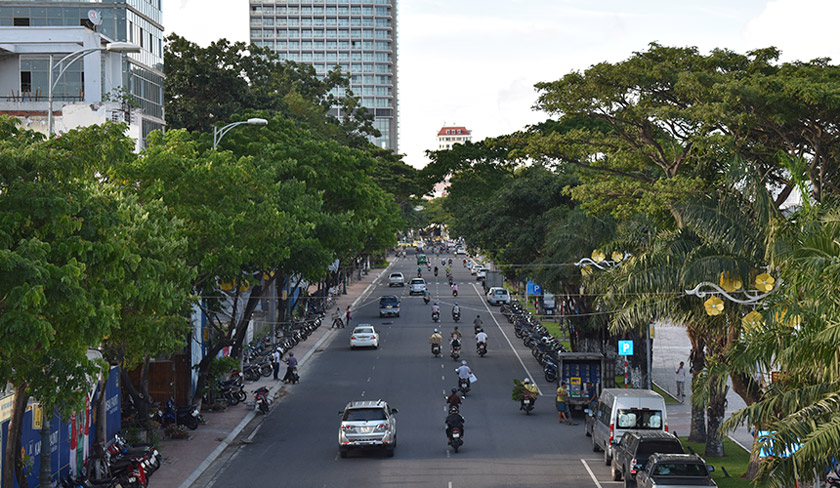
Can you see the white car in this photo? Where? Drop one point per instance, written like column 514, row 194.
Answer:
column 498, row 295
column 473, row 268
column 481, row 274
column 396, row 279
column 367, row 425
column 417, row 286
column 364, row 335
column 461, row 250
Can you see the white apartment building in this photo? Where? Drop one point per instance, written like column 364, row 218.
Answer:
column 448, row 136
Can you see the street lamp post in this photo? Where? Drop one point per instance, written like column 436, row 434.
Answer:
column 219, row 133
column 114, row 47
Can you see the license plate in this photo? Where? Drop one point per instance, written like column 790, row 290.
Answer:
column 456, row 435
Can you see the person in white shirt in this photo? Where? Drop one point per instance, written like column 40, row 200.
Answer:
column 464, row 373
column 681, row 380
column 480, row 338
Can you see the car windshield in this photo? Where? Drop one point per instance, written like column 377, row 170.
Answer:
column 396, row 275
column 500, row 292
column 388, row 301
column 634, row 418
column 645, row 449
column 364, row 414
column 365, row 330
column 417, row 282
column 680, row 469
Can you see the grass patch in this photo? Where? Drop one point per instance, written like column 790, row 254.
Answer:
column 669, row 400
column 735, row 462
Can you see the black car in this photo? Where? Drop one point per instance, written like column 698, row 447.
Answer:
column 634, row 449
column 389, row 306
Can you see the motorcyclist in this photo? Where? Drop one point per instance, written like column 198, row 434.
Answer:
column 455, row 289
column 419, row 272
column 448, row 271
column 529, row 390
column 436, row 338
column 456, row 334
column 464, row 373
column 436, row 270
column 477, row 323
column 426, row 296
column 435, row 309
column 456, row 310
column 450, row 261
column 480, row 338
column 454, row 420
column 454, row 399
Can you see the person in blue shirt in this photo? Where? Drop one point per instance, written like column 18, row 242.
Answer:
column 291, row 369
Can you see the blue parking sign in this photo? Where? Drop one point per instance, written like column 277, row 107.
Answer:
column 625, row 348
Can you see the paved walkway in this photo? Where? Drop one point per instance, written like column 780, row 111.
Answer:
column 184, row 461
column 671, row 346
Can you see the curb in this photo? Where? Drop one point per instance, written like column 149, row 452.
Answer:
column 226, row 442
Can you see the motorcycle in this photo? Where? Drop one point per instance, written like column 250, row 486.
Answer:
column 455, row 438
column 464, row 386
column 436, row 272
column 456, row 316
column 185, row 415
column 261, row 396
column 436, row 349
column 454, row 292
column 436, row 316
column 550, row 371
column 481, row 349
column 426, row 299
column 455, row 354
column 527, row 405
column 450, row 280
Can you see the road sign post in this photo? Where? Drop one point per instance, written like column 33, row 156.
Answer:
column 625, row 348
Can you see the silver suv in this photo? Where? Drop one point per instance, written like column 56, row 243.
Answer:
column 367, row 424
column 418, row 286
column 396, row 279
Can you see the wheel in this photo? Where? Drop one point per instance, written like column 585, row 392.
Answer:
column 398, row 315
column 266, row 370
column 342, row 452
column 389, row 452
column 455, row 447
column 192, row 423
column 242, row 395
column 352, row 347
column 607, row 457
column 629, row 483
column 595, row 447
column 376, row 346
column 615, row 473
column 233, row 399
column 527, row 411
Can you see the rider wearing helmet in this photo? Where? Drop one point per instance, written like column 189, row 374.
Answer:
column 436, row 338
column 477, row 323
column 454, row 399
column 464, row 373
column 453, row 420
column 530, row 390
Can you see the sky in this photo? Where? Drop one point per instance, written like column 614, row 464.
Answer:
column 474, row 63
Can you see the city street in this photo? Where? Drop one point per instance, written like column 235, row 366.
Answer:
column 296, row 445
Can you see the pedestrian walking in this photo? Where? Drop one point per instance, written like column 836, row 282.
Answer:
column 337, row 323
column 347, row 317
column 562, row 394
column 275, row 363
column 681, row 379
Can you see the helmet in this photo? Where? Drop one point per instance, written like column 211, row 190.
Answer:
column 464, row 362
column 453, row 408
column 435, row 303
column 456, row 304
column 527, row 381
column 454, row 390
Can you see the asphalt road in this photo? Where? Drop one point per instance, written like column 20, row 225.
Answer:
column 297, row 443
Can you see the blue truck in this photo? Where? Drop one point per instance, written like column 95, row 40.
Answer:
column 579, row 368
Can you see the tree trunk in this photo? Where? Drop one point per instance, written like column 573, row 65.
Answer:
column 98, row 463
column 752, row 466
column 13, row 467
column 46, row 459
column 716, row 413
column 697, row 359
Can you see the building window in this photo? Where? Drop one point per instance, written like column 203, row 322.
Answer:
column 21, row 21
column 26, row 81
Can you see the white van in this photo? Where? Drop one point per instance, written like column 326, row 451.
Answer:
column 620, row 410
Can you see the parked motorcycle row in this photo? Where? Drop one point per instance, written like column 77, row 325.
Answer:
column 543, row 345
column 126, row 467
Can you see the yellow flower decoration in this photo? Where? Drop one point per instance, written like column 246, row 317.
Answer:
column 598, row 255
column 617, row 256
column 585, row 270
column 764, row 282
column 226, row 285
column 752, row 320
column 730, row 284
column 714, row 306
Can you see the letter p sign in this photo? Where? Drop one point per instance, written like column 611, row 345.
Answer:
column 625, row 348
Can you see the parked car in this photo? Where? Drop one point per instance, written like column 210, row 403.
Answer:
column 482, row 273
column 634, row 449
column 620, row 410
column 367, row 425
column 417, row 286
column 473, row 268
column 497, row 295
column 461, row 251
column 396, row 279
column 364, row 335
column 675, row 471
column 389, row 306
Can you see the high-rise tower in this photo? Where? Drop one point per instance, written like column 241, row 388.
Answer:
column 359, row 36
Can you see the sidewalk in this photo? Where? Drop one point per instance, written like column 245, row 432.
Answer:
column 671, row 346
column 185, row 460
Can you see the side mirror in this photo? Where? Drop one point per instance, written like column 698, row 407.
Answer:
column 710, row 468
column 394, row 410
column 341, row 413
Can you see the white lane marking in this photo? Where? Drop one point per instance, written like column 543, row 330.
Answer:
column 363, row 392
column 374, row 367
column 251, row 437
column 368, row 380
column 490, row 312
column 591, row 474
column 443, row 378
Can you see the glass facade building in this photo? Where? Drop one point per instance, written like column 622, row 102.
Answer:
column 135, row 21
column 359, row 36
